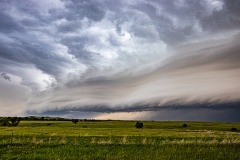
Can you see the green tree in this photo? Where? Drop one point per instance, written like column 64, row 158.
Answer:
column 10, row 121
column 74, row 121
column 139, row 125
column 3, row 122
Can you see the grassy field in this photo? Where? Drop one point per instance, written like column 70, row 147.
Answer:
column 119, row 140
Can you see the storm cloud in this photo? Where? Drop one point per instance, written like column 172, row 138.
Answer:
column 114, row 57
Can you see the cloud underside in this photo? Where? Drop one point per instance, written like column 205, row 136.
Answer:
column 223, row 112
column 121, row 56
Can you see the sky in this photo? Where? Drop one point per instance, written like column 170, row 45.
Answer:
column 122, row 59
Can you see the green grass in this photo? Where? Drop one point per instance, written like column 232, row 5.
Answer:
column 119, row 140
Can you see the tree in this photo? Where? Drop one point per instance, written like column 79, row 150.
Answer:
column 74, row 121
column 4, row 122
column 184, row 125
column 10, row 121
column 139, row 125
column 14, row 121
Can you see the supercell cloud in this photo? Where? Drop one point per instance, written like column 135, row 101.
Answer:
column 143, row 59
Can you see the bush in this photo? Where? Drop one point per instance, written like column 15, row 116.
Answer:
column 184, row 125
column 139, row 125
column 234, row 129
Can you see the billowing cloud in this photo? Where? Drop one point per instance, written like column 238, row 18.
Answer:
column 120, row 56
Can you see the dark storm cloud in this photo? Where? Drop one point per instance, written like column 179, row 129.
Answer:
column 28, row 39
column 40, row 54
column 174, row 105
column 227, row 18
column 177, row 21
column 74, row 11
column 221, row 112
column 161, row 14
column 93, row 10
column 7, row 24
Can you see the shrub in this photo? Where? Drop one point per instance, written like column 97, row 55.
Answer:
column 184, row 125
column 139, row 125
column 234, row 129
column 84, row 126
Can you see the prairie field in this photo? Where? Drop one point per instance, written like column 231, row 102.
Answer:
column 90, row 140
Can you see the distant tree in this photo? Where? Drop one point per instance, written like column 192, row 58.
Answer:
column 10, row 121
column 139, row 125
column 15, row 121
column 3, row 122
column 74, row 121
column 184, row 125
column 234, row 129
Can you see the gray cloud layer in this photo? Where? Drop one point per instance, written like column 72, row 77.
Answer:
column 108, row 56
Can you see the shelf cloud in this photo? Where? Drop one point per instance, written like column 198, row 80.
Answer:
column 120, row 58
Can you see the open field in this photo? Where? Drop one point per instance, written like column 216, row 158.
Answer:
column 119, row 140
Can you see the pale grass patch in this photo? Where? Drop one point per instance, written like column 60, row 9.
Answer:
column 144, row 141
column 174, row 142
column 190, row 142
column 153, row 142
column 182, row 141
column 75, row 141
column 105, row 142
column 63, row 140
column 124, row 140
column 225, row 141
column 102, row 141
column 166, row 141
column 40, row 141
column 93, row 140
column 49, row 140
column 210, row 132
column 15, row 140
column 236, row 141
column 34, row 140
column 200, row 141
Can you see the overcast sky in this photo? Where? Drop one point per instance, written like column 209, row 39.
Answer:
column 121, row 59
